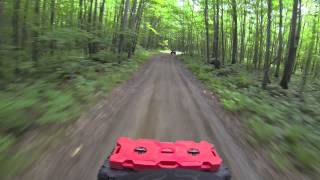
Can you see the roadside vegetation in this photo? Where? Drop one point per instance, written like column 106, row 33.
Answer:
column 56, row 59
column 56, row 100
column 262, row 59
column 278, row 120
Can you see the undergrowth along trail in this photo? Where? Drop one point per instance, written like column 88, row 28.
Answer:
column 277, row 120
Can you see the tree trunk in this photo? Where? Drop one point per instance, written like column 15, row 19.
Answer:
column 207, row 30
column 309, row 57
column 234, row 32
column 80, row 18
column 44, row 15
column 116, row 20
column 261, row 35
column 1, row 10
column 243, row 33
column 1, row 18
column 35, row 33
column 280, row 37
column 132, row 19
column 313, row 69
column 256, row 42
column 89, row 26
column 101, row 13
column 248, row 46
column 123, row 28
column 94, row 45
column 24, row 24
column 191, row 42
column 16, row 23
column 16, row 32
column 215, row 54
column 95, row 14
column 222, row 37
column 137, row 24
column 299, row 63
column 90, row 16
column 52, row 19
column 268, row 41
column 52, row 13
column 84, row 14
column 293, row 44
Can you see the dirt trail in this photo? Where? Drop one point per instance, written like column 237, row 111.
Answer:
column 162, row 101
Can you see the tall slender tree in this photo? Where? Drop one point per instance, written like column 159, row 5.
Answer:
column 101, row 13
column 52, row 19
column 266, row 67
column 215, row 53
column 309, row 56
column 16, row 23
column 222, row 36
column 293, row 44
column 1, row 7
column 80, row 18
column 206, row 21
column 35, row 33
column 16, row 31
column 137, row 24
column 243, row 32
column 24, row 25
column 132, row 19
column 280, row 38
column 44, row 14
column 95, row 14
column 257, row 37
column 262, row 32
column 1, row 18
column 234, row 32
column 124, row 22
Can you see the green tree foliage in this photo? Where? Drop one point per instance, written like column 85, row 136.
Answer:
column 33, row 30
column 259, row 42
column 58, row 55
column 57, row 48
column 240, row 31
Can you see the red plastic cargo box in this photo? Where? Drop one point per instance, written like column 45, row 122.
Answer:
column 144, row 154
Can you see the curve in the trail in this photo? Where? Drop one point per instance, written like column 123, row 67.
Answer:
column 161, row 101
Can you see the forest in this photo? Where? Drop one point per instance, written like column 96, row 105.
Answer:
column 261, row 58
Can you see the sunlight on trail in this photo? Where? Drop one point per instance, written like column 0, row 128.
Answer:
column 169, row 51
column 77, row 151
